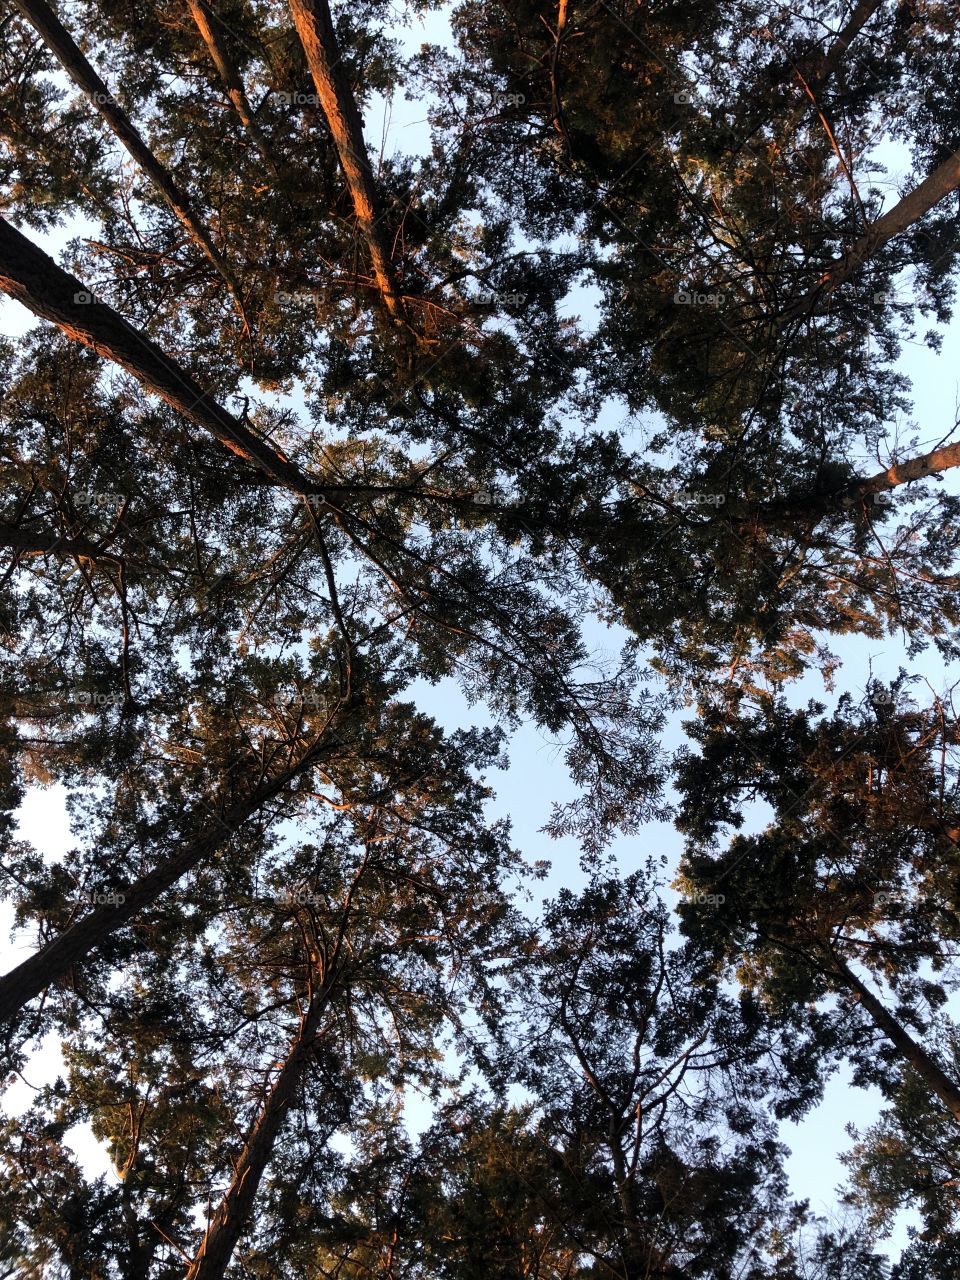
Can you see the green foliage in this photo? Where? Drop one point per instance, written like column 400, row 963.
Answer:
column 572, row 414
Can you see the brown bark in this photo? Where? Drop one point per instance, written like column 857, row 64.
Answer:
column 556, row 107
column 206, row 24
column 821, row 71
column 944, row 180
column 812, row 508
column 947, row 1090
column 315, row 29
column 235, row 1209
column 59, row 41
column 41, row 542
column 58, row 956
column 233, row 1215
column 34, row 279
column 918, row 468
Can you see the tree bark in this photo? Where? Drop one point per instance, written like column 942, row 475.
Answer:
column 232, row 1216
column 812, row 508
column 826, row 68
column 206, row 24
column 53, row 960
column 944, row 180
column 59, row 41
column 947, row 1090
column 315, row 29
column 817, row 71
column 918, row 468
column 42, row 542
column 34, row 279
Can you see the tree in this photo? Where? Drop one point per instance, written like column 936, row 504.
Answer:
column 856, row 871
column 58, row 40
column 308, row 422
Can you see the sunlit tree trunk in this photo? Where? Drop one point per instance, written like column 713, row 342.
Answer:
column 59, row 41
column 206, row 24
column 315, row 29
column 944, row 180
column 34, row 279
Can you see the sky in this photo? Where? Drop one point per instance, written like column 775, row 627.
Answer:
column 536, row 776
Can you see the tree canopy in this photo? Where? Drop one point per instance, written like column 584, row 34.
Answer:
column 592, row 401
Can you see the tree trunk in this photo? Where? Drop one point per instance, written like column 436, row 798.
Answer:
column 315, row 29
column 34, row 279
column 918, row 468
column 41, row 542
column 944, row 180
column 810, row 509
column 206, row 24
column 53, row 960
column 59, row 41
column 824, row 70
column 234, row 1213
column 929, row 1071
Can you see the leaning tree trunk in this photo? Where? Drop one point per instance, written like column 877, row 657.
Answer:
column 43, row 542
column 206, row 23
column 924, row 464
column 947, row 1090
column 30, row 276
column 235, row 1210
column 315, row 29
column 34, row 279
column 808, row 510
column 823, row 70
column 58, row 956
column 944, row 180
column 59, row 41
